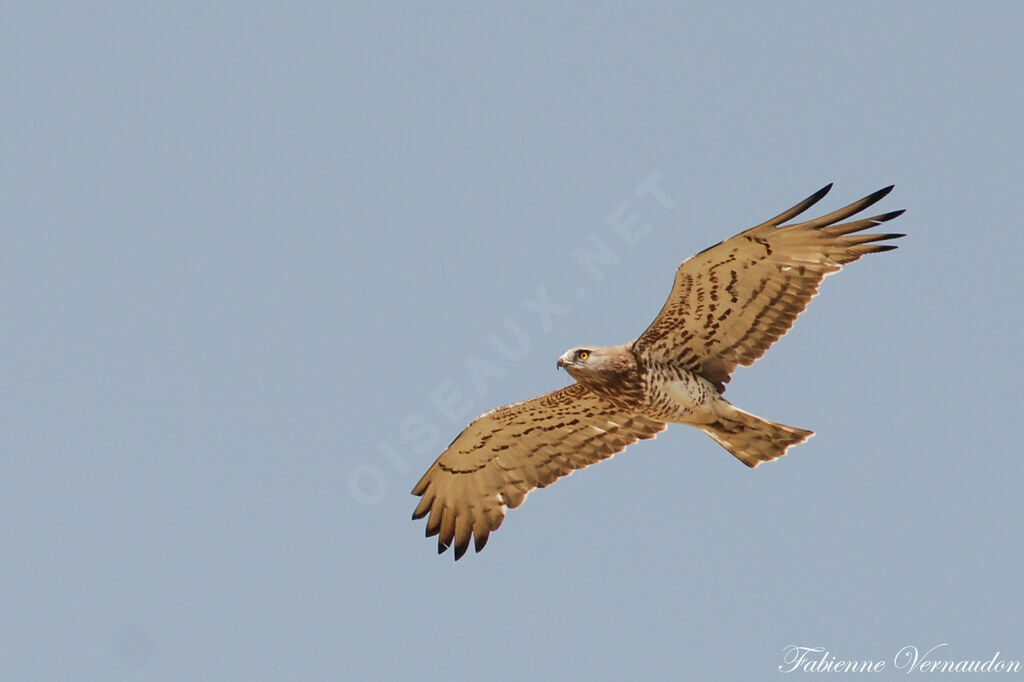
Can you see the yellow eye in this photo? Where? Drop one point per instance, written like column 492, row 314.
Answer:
column 583, row 354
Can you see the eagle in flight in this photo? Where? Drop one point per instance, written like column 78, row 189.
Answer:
column 728, row 304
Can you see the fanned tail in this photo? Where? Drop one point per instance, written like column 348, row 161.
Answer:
column 753, row 440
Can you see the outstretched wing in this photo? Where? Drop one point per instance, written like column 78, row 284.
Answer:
column 507, row 452
column 730, row 302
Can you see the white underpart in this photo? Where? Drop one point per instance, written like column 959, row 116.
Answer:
column 696, row 399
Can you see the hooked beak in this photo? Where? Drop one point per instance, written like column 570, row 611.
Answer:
column 562, row 362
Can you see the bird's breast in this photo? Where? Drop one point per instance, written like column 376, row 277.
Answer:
column 676, row 395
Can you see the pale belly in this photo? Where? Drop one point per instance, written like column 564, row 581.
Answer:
column 681, row 397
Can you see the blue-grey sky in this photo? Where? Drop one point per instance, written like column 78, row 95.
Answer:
column 244, row 247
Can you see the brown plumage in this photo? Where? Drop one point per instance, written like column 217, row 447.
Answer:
column 728, row 305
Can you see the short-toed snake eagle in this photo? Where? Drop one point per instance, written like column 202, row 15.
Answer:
column 728, row 304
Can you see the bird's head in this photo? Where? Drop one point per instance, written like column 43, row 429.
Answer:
column 597, row 364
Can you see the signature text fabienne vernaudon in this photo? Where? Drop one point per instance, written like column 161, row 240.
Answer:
column 909, row 659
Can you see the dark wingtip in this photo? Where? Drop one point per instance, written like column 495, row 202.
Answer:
column 816, row 197
column 479, row 541
column 877, row 196
column 460, row 550
column 789, row 213
column 417, row 517
column 881, row 237
column 889, row 216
